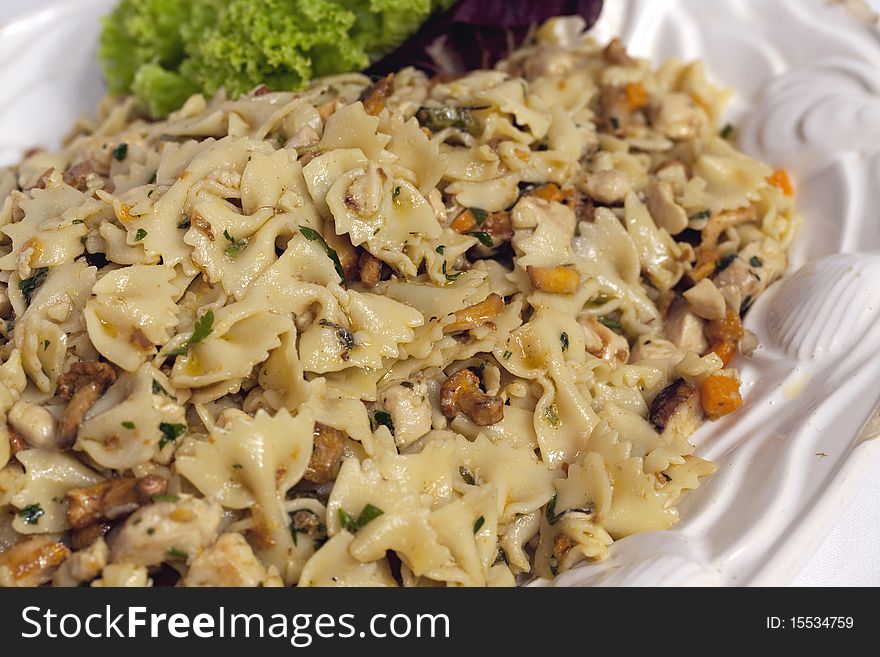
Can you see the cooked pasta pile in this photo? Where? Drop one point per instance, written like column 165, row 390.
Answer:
column 405, row 331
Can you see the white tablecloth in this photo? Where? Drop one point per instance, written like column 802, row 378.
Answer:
column 849, row 554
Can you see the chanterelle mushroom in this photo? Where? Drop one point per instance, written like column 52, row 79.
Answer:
column 82, row 385
column 461, row 393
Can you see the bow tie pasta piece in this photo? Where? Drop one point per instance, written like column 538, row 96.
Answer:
column 40, row 497
column 352, row 127
column 333, row 565
column 135, row 421
column 131, row 311
column 418, row 157
column 252, row 463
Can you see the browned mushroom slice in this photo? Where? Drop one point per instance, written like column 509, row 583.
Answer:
column 615, row 53
column 461, row 393
column 31, row 562
column 82, row 385
column 326, row 455
column 477, row 315
column 370, row 270
column 83, row 538
column 676, row 410
column 111, row 499
column 374, row 97
column 77, row 176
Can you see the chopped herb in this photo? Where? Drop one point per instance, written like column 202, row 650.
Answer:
column 409, row 385
column 235, row 246
column 460, row 118
column 128, row 424
column 485, row 238
column 46, row 344
column 237, row 466
column 598, row 300
column 345, row 337
column 479, row 523
column 440, row 249
column 450, row 277
column 755, row 261
column 480, row 216
column 553, row 517
column 746, row 304
column 29, row 285
column 564, row 339
column 551, row 413
column 170, row 433
column 726, row 131
column 613, row 324
column 31, row 514
column 120, row 152
column 666, row 477
column 367, row 515
column 166, row 498
column 724, row 262
column 77, row 221
column 383, row 418
column 185, row 223
column 466, row 475
column 159, row 390
column 140, row 235
column 174, row 553
column 314, row 236
column 395, row 193
column 705, row 214
column 203, row 328
column 507, row 354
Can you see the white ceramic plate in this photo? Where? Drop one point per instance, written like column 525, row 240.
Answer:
column 808, row 81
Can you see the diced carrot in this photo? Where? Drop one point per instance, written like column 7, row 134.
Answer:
column 548, row 192
column 636, row 96
column 724, row 335
column 465, row 222
column 781, row 180
column 720, row 395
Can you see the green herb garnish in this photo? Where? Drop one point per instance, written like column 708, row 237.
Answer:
column 479, row 523
column 31, row 514
column 305, row 521
column 564, row 339
column 367, row 515
column 235, row 246
column 440, row 249
column 140, row 234
column 128, row 424
column 485, row 238
column 551, row 414
column 29, row 285
column 450, row 277
column 204, row 326
column 170, row 433
column 383, row 418
column 159, row 390
column 460, row 118
column 314, row 236
column 705, row 214
column 724, row 262
column 553, row 517
column 175, row 553
column 613, row 324
column 726, row 131
column 46, row 344
column 120, row 152
column 466, row 475
column 166, row 498
column 755, row 261
column 506, row 355
column 480, row 216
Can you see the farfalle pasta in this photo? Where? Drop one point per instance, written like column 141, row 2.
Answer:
column 409, row 332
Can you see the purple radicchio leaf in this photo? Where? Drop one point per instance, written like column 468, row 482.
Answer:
column 478, row 33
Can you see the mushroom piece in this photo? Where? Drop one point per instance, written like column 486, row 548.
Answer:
column 676, row 411
column 111, row 499
column 461, row 393
column 375, row 96
column 370, row 270
column 31, row 562
column 326, row 454
column 563, row 279
column 82, row 385
column 615, row 53
column 476, row 315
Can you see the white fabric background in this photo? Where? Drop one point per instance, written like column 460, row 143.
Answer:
column 849, row 554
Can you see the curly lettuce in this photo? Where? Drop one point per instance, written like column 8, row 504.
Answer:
column 161, row 51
